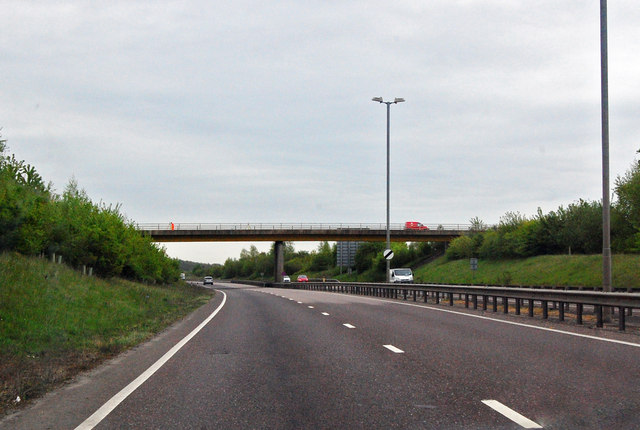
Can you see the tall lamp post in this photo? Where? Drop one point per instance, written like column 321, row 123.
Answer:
column 395, row 101
column 604, row 101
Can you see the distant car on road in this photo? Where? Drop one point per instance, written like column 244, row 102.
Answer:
column 415, row 225
column 403, row 275
column 303, row 278
column 208, row 280
column 285, row 278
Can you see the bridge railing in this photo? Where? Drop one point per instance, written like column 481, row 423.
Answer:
column 286, row 226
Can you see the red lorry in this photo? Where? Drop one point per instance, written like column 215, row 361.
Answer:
column 415, row 225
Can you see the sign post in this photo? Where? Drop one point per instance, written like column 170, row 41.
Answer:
column 473, row 262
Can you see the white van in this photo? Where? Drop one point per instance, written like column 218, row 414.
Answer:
column 403, row 275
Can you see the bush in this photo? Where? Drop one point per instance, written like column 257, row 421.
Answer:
column 460, row 247
column 34, row 221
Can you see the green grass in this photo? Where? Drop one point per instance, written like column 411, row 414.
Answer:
column 547, row 270
column 54, row 320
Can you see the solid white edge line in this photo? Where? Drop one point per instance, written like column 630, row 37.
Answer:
column 112, row 403
column 512, row 415
column 394, row 349
column 552, row 330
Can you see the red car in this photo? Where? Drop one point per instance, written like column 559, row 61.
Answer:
column 415, row 225
column 303, row 278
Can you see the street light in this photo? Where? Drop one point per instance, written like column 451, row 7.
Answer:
column 395, row 101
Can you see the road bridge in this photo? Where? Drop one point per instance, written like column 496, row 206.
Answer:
column 279, row 233
column 189, row 232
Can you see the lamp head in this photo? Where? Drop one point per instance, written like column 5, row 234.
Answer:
column 377, row 99
column 398, row 100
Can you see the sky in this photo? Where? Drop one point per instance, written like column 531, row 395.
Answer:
column 248, row 111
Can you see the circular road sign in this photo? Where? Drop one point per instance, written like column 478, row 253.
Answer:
column 388, row 254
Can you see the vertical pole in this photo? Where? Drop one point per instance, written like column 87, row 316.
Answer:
column 279, row 261
column 388, row 262
column 606, row 230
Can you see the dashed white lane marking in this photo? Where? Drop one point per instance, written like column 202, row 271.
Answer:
column 394, row 349
column 299, row 303
column 552, row 330
column 349, row 325
column 310, row 307
column 112, row 403
column 325, row 314
column 512, row 415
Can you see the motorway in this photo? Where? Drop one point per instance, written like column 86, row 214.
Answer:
column 292, row 359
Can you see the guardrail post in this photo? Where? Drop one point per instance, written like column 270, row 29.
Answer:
column 530, row 307
column 579, row 308
column 505, row 305
column 561, row 311
column 404, row 294
column 545, row 309
column 466, row 300
column 475, row 301
column 518, row 306
column 415, row 293
column 621, row 321
column 484, row 303
column 437, row 298
column 599, row 319
column 450, row 299
column 495, row 304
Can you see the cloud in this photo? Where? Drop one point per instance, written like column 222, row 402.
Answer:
column 248, row 111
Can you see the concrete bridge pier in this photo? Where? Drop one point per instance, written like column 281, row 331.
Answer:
column 279, row 261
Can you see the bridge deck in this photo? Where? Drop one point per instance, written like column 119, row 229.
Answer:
column 296, row 233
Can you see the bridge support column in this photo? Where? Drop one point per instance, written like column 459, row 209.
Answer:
column 279, row 261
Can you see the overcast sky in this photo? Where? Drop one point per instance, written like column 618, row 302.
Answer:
column 260, row 111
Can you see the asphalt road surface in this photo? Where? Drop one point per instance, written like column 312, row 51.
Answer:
column 257, row 358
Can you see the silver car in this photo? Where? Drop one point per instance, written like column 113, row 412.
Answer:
column 208, row 280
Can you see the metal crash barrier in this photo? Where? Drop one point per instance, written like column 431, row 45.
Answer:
column 536, row 301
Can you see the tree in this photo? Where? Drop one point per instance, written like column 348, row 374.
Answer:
column 324, row 258
column 460, row 247
column 627, row 207
column 367, row 252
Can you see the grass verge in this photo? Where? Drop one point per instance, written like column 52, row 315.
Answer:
column 54, row 322
column 546, row 270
